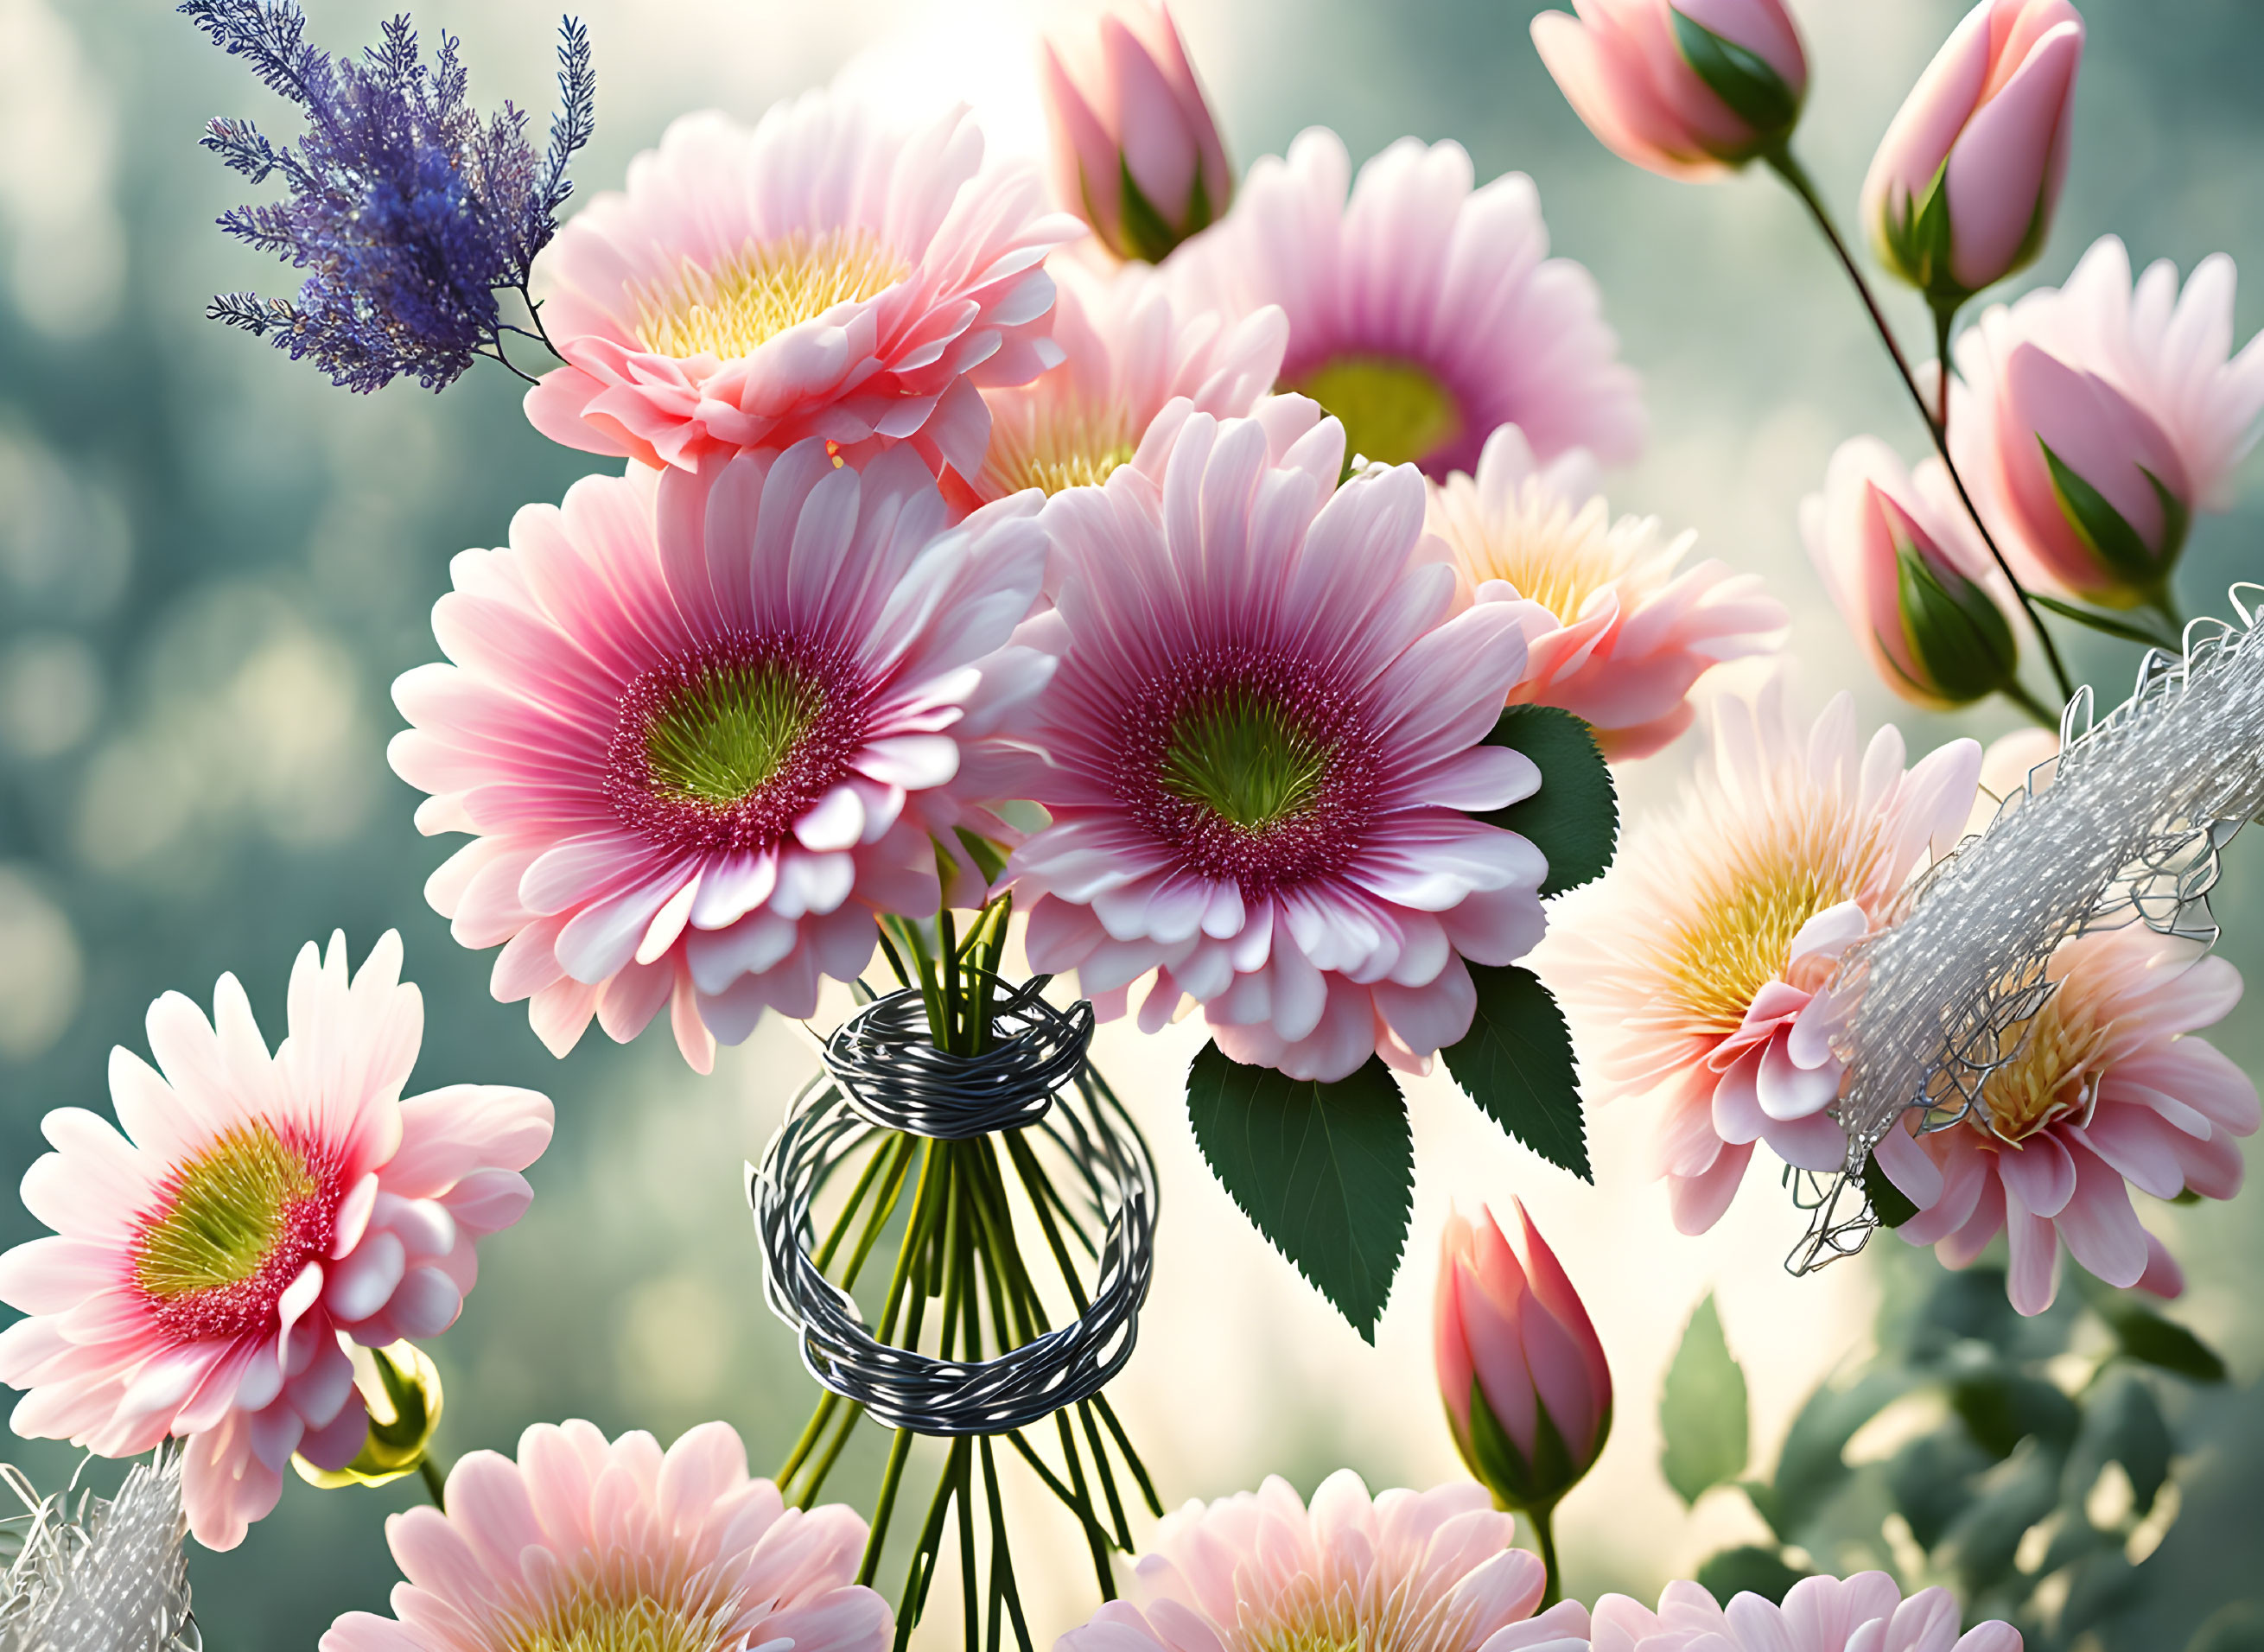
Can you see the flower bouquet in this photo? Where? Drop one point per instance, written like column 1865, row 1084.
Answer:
column 1033, row 597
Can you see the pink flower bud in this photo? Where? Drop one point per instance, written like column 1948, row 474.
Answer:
column 1136, row 152
column 2096, row 492
column 1961, row 192
column 1528, row 1393
column 1688, row 90
column 1895, row 553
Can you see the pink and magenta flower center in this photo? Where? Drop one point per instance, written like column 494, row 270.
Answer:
column 724, row 749
column 231, row 1228
column 1257, row 772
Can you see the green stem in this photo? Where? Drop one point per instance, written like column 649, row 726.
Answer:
column 891, row 1478
column 1782, row 163
column 435, row 1480
column 1945, row 317
column 1544, row 1539
column 2037, row 712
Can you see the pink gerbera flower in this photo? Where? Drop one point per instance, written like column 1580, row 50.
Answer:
column 1422, row 314
column 821, row 275
column 1690, row 970
column 704, row 728
column 1260, row 746
column 1613, row 634
column 2102, row 1091
column 1429, row 1571
column 258, row 1208
column 1128, row 350
column 1864, row 1614
column 584, row 1545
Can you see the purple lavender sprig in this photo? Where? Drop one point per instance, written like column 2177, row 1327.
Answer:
column 410, row 212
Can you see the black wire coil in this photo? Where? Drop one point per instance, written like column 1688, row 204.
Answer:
column 886, row 1059
column 885, row 1074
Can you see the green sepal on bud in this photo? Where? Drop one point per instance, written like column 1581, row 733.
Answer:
column 1958, row 635
column 1755, row 93
column 1533, row 1485
column 1142, row 231
column 1913, row 241
column 2109, row 536
column 401, row 1386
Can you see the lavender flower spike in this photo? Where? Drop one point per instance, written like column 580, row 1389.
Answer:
column 410, row 212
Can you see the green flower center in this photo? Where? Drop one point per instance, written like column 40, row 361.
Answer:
column 1393, row 411
column 1246, row 759
column 230, row 1204
column 727, row 732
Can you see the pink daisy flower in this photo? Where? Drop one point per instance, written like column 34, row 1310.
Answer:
column 1614, row 635
column 1691, row 968
column 2125, row 382
column 258, row 1209
column 2104, row 1090
column 582, row 1543
column 705, row 728
column 1422, row 314
column 1864, row 1614
column 1260, row 745
column 824, row 274
column 1128, row 350
column 1410, row 1571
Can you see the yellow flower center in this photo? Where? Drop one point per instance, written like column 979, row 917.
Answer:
column 607, row 1621
column 1736, row 934
column 1393, row 411
column 2049, row 1068
column 230, row 1204
column 729, row 311
column 1552, row 554
column 1060, row 446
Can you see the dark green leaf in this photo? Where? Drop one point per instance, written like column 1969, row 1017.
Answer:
column 2100, row 1588
column 2002, row 1407
column 2123, row 1423
column 1516, row 1063
column 1930, row 1481
column 1702, row 1409
column 1889, row 1203
column 1326, row 1171
column 1574, row 818
column 2106, row 530
column 1748, row 1571
column 1810, row 1466
column 1742, row 79
column 1986, row 1536
column 2146, row 1335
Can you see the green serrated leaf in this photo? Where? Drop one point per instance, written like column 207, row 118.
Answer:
column 1889, row 1203
column 1749, row 1571
column 1326, row 1171
column 1516, row 1063
column 1702, row 1409
column 2147, row 1336
column 1574, row 818
column 1755, row 93
column 2106, row 530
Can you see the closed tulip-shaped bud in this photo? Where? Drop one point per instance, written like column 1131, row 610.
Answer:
column 1961, row 192
column 2099, row 493
column 1136, row 151
column 1892, row 553
column 1688, row 90
column 1528, row 1395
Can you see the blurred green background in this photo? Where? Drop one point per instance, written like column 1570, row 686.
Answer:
column 212, row 565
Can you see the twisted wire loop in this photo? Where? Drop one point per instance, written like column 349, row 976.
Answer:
column 1035, row 1077
column 2124, row 826
column 886, row 1060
